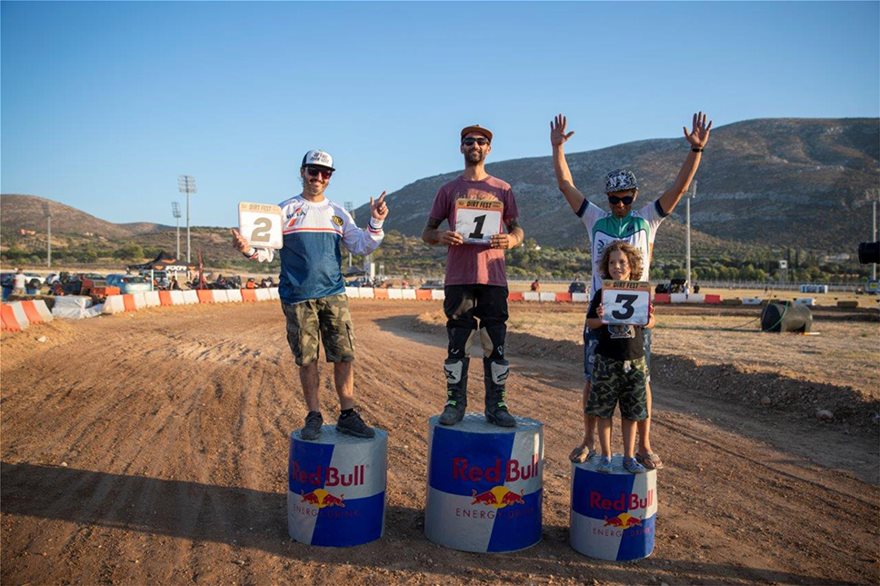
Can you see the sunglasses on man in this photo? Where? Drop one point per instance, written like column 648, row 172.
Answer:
column 470, row 141
column 315, row 171
column 625, row 200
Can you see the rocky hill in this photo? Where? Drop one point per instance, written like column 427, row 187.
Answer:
column 778, row 183
column 28, row 212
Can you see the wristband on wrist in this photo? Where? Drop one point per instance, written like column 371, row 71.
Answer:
column 250, row 252
column 697, row 149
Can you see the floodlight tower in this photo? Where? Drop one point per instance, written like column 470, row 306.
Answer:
column 48, row 215
column 687, row 211
column 187, row 184
column 175, row 211
column 874, row 232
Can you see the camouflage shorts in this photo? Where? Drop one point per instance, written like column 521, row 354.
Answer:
column 326, row 320
column 613, row 382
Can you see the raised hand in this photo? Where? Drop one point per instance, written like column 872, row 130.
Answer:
column 239, row 242
column 699, row 136
column 557, row 130
column 378, row 208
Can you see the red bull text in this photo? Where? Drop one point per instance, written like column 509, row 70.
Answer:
column 502, row 471
column 329, row 476
column 626, row 501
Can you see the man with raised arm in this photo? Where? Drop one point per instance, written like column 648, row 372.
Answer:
column 477, row 208
column 635, row 227
column 312, row 289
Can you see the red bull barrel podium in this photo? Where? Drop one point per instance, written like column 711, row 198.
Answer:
column 485, row 484
column 336, row 488
column 612, row 515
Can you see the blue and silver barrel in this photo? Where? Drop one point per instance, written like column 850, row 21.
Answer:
column 612, row 515
column 336, row 488
column 485, row 484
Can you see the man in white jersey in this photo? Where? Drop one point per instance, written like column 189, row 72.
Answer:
column 312, row 289
column 635, row 227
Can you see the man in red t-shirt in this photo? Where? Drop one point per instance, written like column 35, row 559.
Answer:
column 478, row 208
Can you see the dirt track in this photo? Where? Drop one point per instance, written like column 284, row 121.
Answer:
column 152, row 447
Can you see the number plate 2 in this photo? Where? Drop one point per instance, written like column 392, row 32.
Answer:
column 477, row 220
column 260, row 223
column 626, row 302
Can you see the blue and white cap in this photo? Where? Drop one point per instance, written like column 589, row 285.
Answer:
column 319, row 158
column 620, row 180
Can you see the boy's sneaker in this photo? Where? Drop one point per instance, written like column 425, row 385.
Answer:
column 312, row 429
column 352, row 424
column 633, row 467
column 604, row 465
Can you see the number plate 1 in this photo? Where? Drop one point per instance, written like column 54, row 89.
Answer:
column 626, row 302
column 477, row 220
column 260, row 223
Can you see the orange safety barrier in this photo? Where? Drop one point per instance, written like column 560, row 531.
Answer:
column 380, row 293
column 165, row 298
column 30, row 310
column 128, row 301
column 662, row 298
column 423, row 294
column 564, row 297
column 713, row 299
column 515, row 296
column 205, row 295
column 7, row 316
column 249, row 295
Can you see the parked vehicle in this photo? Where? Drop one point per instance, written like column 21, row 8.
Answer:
column 129, row 283
column 431, row 284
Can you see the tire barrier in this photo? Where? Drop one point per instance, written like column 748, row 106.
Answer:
column 781, row 317
column 485, row 484
column 336, row 488
column 612, row 515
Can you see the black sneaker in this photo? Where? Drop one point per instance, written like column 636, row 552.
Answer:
column 352, row 424
column 312, row 429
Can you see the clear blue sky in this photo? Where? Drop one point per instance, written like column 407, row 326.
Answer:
column 105, row 104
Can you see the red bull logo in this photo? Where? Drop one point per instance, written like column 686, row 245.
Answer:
column 498, row 497
column 321, row 498
column 329, row 476
column 623, row 521
column 626, row 501
column 502, row 471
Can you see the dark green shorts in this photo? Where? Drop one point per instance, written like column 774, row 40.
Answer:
column 326, row 320
column 619, row 381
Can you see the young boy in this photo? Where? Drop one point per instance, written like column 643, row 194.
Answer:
column 620, row 371
column 636, row 226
